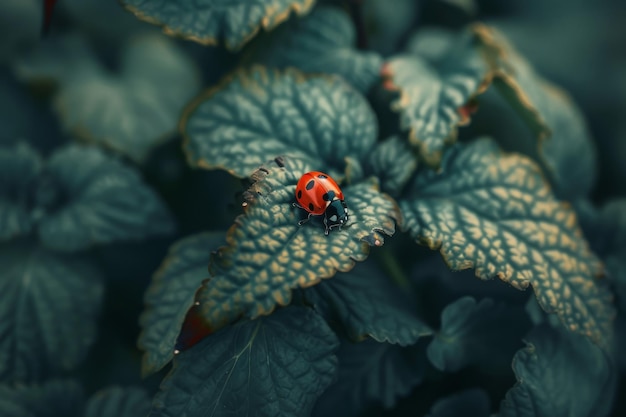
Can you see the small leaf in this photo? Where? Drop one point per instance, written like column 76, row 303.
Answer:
column 494, row 212
column 118, row 402
column 471, row 402
column 256, row 115
column 367, row 303
column 276, row 365
column 268, row 254
column 560, row 374
column 131, row 111
column 431, row 94
column 170, row 296
column 322, row 42
column 106, row 201
column 393, row 163
column 476, row 333
column 51, row 399
column 371, row 373
column 20, row 166
column 551, row 114
column 48, row 308
column 211, row 23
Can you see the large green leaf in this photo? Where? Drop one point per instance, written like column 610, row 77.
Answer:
column 98, row 200
column 560, row 374
column 472, row 402
column 493, row 212
column 51, row 399
column 368, row 303
column 130, row 110
column 20, row 167
column 433, row 94
column 476, row 333
column 551, row 114
column 48, row 309
column 258, row 114
column 211, row 22
column 118, row 402
column 273, row 366
column 392, row 162
column 170, row 296
column 323, row 42
column 372, row 373
column 268, row 254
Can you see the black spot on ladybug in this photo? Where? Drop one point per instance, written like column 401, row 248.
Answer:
column 328, row 196
column 322, row 176
column 310, row 185
column 299, row 194
column 311, row 207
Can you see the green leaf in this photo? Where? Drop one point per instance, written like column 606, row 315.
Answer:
column 17, row 36
column 560, row 374
column 130, row 111
column 322, row 42
column 268, row 254
column 48, row 309
column 100, row 200
column 211, row 23
column 471, row 402
column 371, row 373
column 51, row 399
column 392, row 162
column 551, row 114
column 368, row 303
column 118, row 402
column 433, row 95
column 276, row 365
column 258, row 114
column 170, row 296
column 476, row 333
column 493, row 212
column 20, row 166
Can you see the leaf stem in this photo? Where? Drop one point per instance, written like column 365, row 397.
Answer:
column 392, row 267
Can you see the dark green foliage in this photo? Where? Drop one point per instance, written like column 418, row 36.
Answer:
column 276, row 365
column 459, row 157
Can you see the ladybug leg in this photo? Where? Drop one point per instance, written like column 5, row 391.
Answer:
column 326, row 226
column 301, row 222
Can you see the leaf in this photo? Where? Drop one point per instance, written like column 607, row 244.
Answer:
column 268, row 254
column 51, row 399
column 371, row 373
column 493, row 212
column 367, row 303
column 15, row 37
column 256, row 115
column 20, row 166
column 322, row 42
column 472, row 402
column 387, row 26
column 130, row 111
column 393, row 163
column 99, row 201
column 210, row 23
column 276, row 365
column 551, row 114
column 433, row 95
column 118, row 402
column 476, row 333
column 560, row 374
column 171, row 294
column 48, row 308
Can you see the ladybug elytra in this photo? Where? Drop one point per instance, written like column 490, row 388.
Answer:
column 318, row 194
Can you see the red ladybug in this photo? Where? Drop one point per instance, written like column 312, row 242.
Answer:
column 318, row 194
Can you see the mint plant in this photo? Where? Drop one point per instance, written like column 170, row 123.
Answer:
column 453, row 153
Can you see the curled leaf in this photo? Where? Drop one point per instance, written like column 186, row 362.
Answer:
column 268, row 254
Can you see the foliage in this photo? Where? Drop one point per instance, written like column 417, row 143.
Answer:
column 459, row 162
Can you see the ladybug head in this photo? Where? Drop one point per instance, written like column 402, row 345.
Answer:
column 336, row 215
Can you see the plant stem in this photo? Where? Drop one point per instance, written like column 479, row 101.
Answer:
column 392, row 267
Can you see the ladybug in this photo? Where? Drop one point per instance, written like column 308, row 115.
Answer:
column 318, row 194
